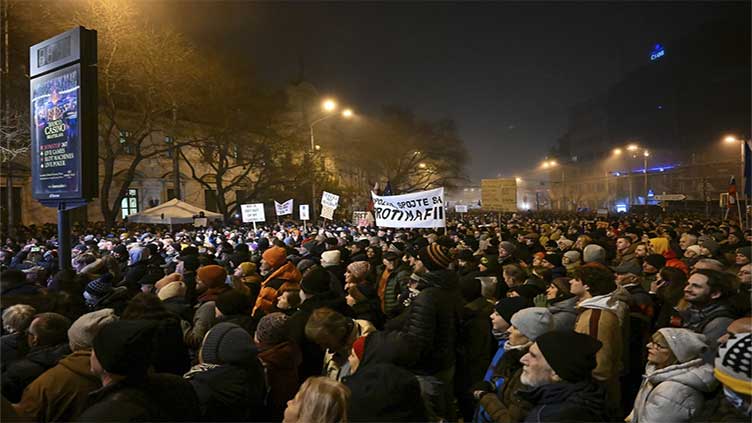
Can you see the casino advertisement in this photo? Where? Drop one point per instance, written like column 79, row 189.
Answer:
column 56, row 134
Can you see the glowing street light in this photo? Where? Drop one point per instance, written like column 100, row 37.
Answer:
column 517, row 179
column 646, row 153
column 633, row 147
column 730, row 139
column 422, row 165
column 617, row 151
column 329, row 105
column 347, row 113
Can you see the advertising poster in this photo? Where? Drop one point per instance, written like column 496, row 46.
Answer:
column 55, row 134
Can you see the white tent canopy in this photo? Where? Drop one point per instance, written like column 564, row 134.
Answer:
column 172, row 212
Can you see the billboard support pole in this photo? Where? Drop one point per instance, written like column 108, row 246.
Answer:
column 63, row 237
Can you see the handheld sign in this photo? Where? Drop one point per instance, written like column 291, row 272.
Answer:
column 253, row 212
column 330, row 200
column 304, row 214
column 423, row 209
column 460, row 208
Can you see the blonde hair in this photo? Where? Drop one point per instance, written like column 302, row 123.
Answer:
column 323, row 400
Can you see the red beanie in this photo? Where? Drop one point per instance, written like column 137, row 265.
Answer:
column 359, row 347
column 275, row 256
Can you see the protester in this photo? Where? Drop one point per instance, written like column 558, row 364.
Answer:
column 16, row 321
column 319, row 400
column 281, row 359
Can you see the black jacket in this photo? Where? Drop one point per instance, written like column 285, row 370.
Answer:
column 566, row 402
column 12, row 347
column 170, row 352
column 475, row 347
column 229, row 393
column 433, row 322
column 159, row 397
column 21, row 373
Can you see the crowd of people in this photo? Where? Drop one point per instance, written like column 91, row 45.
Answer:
column 513, row 318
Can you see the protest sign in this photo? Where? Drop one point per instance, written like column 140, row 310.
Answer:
column 304, row 215
column 327, row 212
column 330, row 200
column 460, row 208
column 284, row 208
column 423, row 209
column 499, row 194
column 252, row 212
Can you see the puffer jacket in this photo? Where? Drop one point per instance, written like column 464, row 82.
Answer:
column 564, row 313
column 229, row 392
column 673, row 394
column 391, row 289
column 287, row 276
column 433, row 322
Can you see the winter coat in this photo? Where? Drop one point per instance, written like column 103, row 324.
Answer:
column 203, row 320
column 133, row 275
column 391, row 288
column 336, row 367
column 564, row 313
column 180, row 307
column 711, row 321
column 313, row 355
column 504, row 406
column 281, row 364
column 387, row 393
column 287, row 276
column 60, row 393
column 22, row 372
column 170, row 352
column 474, row 347
column 433, row 321
column 158, row 397
column 369, row 310
column 566, row 402
column 228, row 392
column 12, row 347
column 673, row 394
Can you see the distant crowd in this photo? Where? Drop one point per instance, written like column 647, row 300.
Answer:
column 518, row 318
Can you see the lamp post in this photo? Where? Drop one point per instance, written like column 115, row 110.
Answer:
column 636, row 149
column 329, row 106
column 550, row 164
column 730, row 139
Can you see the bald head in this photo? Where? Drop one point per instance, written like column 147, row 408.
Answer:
column 743, row 325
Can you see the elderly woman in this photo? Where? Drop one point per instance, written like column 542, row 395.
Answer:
column 676, row 378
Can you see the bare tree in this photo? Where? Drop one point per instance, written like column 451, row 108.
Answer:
column 14, row 133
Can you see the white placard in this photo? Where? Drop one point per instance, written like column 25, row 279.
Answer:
column 304, row 215
column 252, row 212
column 423, row 209
column 460, row 208
column 330, row 200
column 327, row 212
column 284, row 208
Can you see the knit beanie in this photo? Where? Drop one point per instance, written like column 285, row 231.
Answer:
column 564, row 243
column 100, row 287
column 212, row 276
column 172, row 290
column 656, row 260
column 124, row 347
column 570, row 354
column 359, row 269
column 491, row 263
column 507, row 246
column 533, row 322
column 594, row 253
column 233, row 302
column 271, row 329
column 275, row 256
column 507, row 307
column 172, row 277
column 315, row 281
column 573, row 256
column 227, row 343
column 331, row 258
column 247, row 267
column 732, row 363
column 708, row 242
column 435, row 257
column 745, row 251
column 554, row 259
column 684, row 343
column 527, row 291
column 82, row 332
column 359, row 347
column 694, row 249
column 471, row 288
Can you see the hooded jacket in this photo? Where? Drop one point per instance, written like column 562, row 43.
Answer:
column 286, row 276
column 281, row 364
column 601, row 317
column 564, row 313
column 673, row 394
column 563, row 401
column 60, row 393
column 22, row 372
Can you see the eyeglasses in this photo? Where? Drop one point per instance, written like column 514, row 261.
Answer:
column 657, row 345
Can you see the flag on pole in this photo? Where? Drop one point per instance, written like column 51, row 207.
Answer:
column 732, row 193
column 748, row 169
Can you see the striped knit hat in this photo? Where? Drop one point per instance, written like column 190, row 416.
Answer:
column 435, row 257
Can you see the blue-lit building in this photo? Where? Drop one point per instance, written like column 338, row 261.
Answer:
column 689, row 94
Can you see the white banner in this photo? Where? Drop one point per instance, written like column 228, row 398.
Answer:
column 327, row 212
column 330, row 200
column 424, row 209
column 284, row 208
column 252, row 212
column 460, row 208
column 304, row 215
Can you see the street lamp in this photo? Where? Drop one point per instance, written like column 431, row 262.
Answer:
column 329, row 106
column 731, row 139
column 550, row 164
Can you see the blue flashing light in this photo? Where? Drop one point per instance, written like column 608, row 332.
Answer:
column 651, row 193
column 657, row 53
column 621, row 208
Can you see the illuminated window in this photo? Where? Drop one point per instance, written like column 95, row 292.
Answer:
column 129, row 203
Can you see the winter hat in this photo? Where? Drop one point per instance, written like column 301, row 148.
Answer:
column 528, row 290
column 745, row 251
column 359, row 269
column 212, row 276
column 732, row 363
column 172, row 290
column 362, row 292
column 594, row 253
column 271, row 329
column 631, row 266
column 247, row 267
column 275, row 256
column 533, row 322
column 695, row 249
column 227, row 343
column 684, row 343
column 656, row 260
column 570, row 354
column 507, row 307
column 491, row 263
column 708, row 242
column 359, row 347
column 124, row 347
column 564, row 243
column 554, row 259
column 435, row 257
column 507, row 246
column 98, row 288
column 573, row 256
column 471, row 288
column 233, row 302
column 387, row 391
column 331, row 258
column 315, row 281
column 82, row 332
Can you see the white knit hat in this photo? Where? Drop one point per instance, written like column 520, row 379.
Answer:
column 533, row 321
column 172, row 289
column 330, row 258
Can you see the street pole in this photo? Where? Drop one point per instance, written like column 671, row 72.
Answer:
column 5, row 101
column 645, row 170
column 63, row 237
column 175, row 156
column 313, row 173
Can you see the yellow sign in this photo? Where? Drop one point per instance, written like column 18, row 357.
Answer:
column 499, row 194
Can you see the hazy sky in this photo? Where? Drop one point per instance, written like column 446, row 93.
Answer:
column 506, row 72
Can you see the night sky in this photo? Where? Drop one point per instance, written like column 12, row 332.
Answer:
column 506, row 72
